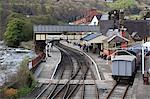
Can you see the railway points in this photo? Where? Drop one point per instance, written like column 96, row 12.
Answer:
column 105, row 69
column 63, row 81
column 104, row 86
column 94, row 56
column 82, row 76
column 102, row 66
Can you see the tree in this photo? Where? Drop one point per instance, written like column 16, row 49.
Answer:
column 18, row 29
column 24, row 77
column 122, row 4
column 22, row 83
column 3, row 16
column 27, row 31
column 14, row 32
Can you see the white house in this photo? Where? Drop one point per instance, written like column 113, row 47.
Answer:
column 95, row 20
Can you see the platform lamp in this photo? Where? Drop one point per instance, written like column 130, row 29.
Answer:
column 46, row 48
column 62, row 36
column 143, row 61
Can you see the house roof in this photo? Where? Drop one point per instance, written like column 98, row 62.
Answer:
column 98, row 39
column 90, row 36
column 135, row 36
column 104, row 17
column 112, row 32
column 99, row 16
column 139, row 26
column 87, row 18
column 105, row 25
column 114, row 36
column 65, row 28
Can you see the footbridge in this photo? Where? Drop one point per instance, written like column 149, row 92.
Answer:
column 44, row 34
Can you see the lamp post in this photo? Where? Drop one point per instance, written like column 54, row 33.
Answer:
column 143, row 61
column 46, row 48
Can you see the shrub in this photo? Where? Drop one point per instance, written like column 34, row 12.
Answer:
column 10, row 92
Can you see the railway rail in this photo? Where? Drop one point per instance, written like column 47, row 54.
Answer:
column 118, row 91
column 67, row 90
column 85, row 68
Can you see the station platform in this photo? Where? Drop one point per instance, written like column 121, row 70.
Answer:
column 147, row 63
column 46, row 69
column 103, row 66
column 137, row 91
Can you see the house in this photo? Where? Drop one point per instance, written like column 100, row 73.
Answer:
column 94, row 41
column 141, row 27
column 87, row 17
column 115, row 40
column 90, row 15
column 95, row 20
column 104, row 17
column 138, row 29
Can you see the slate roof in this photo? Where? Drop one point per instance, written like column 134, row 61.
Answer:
column 65, row 28
column 111, row 32
column 90, row 36
column 104, row 17
column 114, row 36
column 142, row 27
column 105, row 25
column 99, row 16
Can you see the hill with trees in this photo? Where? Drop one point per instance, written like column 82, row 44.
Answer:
column 56, row 11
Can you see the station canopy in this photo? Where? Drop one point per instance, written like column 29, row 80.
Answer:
column 94, row 38
column 47, row 29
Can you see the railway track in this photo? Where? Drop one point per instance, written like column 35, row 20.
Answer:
column 48, row 91
column 118, row 91
column 83, row 64
column 81, row 72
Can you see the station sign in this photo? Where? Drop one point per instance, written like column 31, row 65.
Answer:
column 54, row 37
column 40, row 37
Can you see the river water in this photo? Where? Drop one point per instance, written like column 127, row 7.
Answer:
column 10, row 61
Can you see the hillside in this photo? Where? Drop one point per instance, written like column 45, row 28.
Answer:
column 52, row 11
column 44, row 11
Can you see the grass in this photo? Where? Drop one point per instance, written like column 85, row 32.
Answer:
column 134, row 17
column 23, row 91
column 26, row 90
